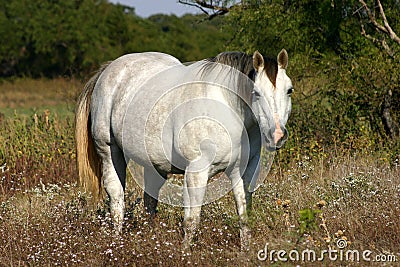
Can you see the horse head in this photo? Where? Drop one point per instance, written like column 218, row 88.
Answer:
column 272, row 98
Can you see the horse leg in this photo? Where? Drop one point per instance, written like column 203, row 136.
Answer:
column 194, row 189
column 114, row 177
column 242, row 197
column 249, row 178
column 153, row 181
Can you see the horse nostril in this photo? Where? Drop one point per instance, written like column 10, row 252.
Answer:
column 285, row 134
column 277, row 137
column 283, row 139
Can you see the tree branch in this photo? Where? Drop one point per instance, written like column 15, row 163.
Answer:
column 204, row 5
column 389, row 29
column 372, row 17
column 383, row 28
column 376, row 41
column 211, row 6
column 390, row 125
column 195, row 5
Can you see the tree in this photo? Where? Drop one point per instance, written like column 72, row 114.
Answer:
column 59, row 37
column 51, row 38
column 297, row 24
column 375, row 26
column 211, row 8
column 327, row 48
column 375, row 18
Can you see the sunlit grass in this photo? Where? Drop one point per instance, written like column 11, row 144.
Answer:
column 357, row 200
column 28, row 96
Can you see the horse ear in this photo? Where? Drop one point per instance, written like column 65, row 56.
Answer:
column 258, row 61
column 283, row 59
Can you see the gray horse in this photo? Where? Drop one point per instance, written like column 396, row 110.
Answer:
column 198, row 119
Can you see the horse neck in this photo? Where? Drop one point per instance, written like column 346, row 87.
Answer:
column 250, row 118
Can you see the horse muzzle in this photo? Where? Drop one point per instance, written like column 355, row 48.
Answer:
column 280, row 134
column 280, row 137
column 276, row 138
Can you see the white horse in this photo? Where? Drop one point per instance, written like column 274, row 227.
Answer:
column 200, row 119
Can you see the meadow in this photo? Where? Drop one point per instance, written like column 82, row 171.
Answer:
column 335, row 200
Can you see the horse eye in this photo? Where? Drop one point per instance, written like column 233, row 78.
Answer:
column 256, row 94
column 290, row 91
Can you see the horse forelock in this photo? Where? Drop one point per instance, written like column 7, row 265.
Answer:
column 271, row 69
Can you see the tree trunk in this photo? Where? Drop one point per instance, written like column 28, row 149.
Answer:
column 391, row 127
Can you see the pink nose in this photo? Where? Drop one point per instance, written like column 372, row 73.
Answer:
column 278, row 134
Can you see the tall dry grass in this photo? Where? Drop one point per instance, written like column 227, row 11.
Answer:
column 36, row 148
column 36, row 132
column 51, row 224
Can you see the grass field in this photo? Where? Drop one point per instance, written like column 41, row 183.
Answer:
column 309, row 205
column 26, row 96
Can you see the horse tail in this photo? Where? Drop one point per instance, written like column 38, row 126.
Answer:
column 88, row 161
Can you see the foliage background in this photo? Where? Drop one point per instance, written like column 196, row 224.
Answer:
column 53, row 38
column 331, row 63
column 341, row 77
